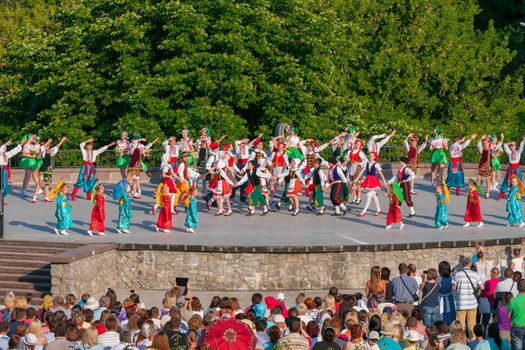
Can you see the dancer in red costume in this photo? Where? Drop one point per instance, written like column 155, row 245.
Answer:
column 98, row 214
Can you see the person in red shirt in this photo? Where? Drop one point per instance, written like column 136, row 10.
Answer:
column 489, row 292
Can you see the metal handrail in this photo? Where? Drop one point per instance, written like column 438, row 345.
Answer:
column 73, row 158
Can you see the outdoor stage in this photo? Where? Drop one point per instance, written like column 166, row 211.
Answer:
column 273, row 252
column 25, row 220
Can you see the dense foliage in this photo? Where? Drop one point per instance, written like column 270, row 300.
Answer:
column 95, row 67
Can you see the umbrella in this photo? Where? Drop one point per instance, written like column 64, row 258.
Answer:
column 120, row 189
column 228, row 334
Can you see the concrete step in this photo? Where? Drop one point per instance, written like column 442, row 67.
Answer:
column 37, row 295
column 32, row 255
column 26, row 286
column 22, row 263
column 5, row 277
column 39, row 244
column 20, row 270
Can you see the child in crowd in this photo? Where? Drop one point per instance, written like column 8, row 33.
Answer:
column 517, row 260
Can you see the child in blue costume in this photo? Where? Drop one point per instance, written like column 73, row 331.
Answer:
column 442, row 199
column 63, row 209
column 192, row 215
column 121, row 194
column 514, row 202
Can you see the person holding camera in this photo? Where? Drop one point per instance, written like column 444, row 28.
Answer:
column 468, row 285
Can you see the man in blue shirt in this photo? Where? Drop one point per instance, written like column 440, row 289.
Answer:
column 404, row 288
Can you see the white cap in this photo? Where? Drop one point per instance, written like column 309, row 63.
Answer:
column 278, row 318
column 280, row 296
column 373, row 335
column 30, row 339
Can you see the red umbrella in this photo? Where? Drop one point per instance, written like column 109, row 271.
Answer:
column 228, row 334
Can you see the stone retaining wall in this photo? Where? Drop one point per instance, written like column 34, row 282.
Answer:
column 156, row 268
column 92, row 275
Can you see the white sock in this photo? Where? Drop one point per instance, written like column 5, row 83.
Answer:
column 412, row 210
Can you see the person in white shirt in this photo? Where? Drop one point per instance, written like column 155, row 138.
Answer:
column 125, row 342
column 87, row 175
column 110, row 338
column 5, row 155
column 514, row 153
column 31, row 161
column 455, row 174
column 46, row 169
column 508, row 285
column 374, row 146
column 517, row 260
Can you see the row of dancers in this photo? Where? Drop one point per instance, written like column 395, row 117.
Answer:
column 292, row 163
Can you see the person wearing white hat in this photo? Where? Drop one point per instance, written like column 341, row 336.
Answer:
column 91, row 304
column 280, row 297
column 373, row 338
column 413, row 338
column 30, row 341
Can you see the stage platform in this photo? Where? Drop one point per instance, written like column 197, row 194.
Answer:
column 271, row 233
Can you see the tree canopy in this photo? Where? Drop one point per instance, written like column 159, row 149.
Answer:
column 95, row 67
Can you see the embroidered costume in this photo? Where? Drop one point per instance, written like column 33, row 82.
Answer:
column 338, row 186
column 374, row 146
column 515, row 216
column 441, row 216
column 125, row 212
column 192, row 215
column 63, row 213
column 164, row 220
column 395, row 199
column 122, row 152
column 98, row 215
column 5, row 155
column 87, row 175
column 473, row 213
column 437, row 146
column 514, row 155
column 455, row 174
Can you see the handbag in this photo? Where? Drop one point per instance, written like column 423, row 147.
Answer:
column 431, row 291
column 476, row 290
column 414, row 295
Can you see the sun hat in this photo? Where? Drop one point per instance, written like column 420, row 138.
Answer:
column 373, row 335
column 388, row 329
column 280, row 296
column 30, row 339
column 413, row 336
column 91, row 304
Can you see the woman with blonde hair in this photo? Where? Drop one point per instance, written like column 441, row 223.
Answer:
column 79, row 320
column 90, row 340
column 35, row 327
column 20, row 302
column 375, row 288
column 9, row 306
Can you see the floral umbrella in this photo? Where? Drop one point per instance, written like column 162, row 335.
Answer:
column 228, row 334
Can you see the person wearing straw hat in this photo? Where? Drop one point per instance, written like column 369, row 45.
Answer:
column 87, row 174
column 442, row 199
column 63, row 208
column 413, row 338
column 414, row 149
column 455, row 173
column 395, row 198
column 438, row 158
column 389, row 334
column 514, row 153
column 473, row 213
column 516, row 190
column 98, row 213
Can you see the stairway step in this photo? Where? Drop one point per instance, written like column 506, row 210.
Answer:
column 20, row 270
column 25, row 278
column 41, row 250
column 40, row 244
column 26, row 256
column 27, row 286
column 23, row 263
column 36, row 294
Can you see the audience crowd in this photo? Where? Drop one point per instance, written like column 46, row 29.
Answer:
column 454, row 308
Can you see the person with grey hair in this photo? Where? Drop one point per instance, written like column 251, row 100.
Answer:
column 103, row 305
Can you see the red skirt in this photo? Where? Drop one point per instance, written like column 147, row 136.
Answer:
column 394, row 215
column 171, row 185
column 164, row 220
column 222, row 189
column 371, row 182
column 294, row 188
column 473, row 213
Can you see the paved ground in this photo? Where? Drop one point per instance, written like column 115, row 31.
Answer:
column 36, row 221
